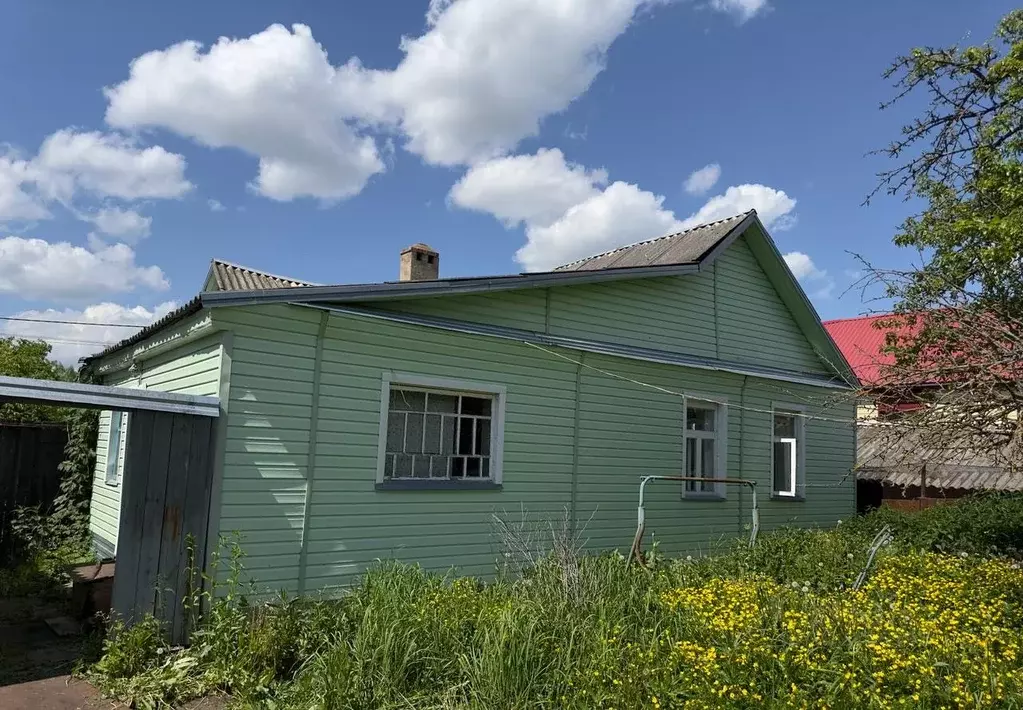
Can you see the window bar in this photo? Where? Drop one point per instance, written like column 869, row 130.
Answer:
column 475, row 423
column 404, row 435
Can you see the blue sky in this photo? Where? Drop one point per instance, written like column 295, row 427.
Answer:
column 508, row 136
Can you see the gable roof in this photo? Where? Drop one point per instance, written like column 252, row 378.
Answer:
column 232, row 277
column 861, row 341
column 688, row 252
column 689, row 246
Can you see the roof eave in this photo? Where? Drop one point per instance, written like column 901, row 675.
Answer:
column 407, row 289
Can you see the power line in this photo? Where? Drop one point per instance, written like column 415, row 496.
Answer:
column 22, row 319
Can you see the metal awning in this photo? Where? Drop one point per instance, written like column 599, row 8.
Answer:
column 76, row 394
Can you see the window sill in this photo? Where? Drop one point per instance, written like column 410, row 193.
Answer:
column 708, row 497
column 788, row 499
column 423, row 484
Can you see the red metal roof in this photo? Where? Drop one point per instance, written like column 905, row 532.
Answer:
column 860, row 341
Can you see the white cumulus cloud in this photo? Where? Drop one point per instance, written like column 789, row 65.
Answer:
column 621, row 214
column 700, row 181
column 16, row 203
column 118, row 222
column 107, row 165
column 37, row 269
column 741, row 10
column 536, row 189
column 273, row 95
column 569, row 213
column 773, row 206
column 486, row 73
column 86, row 331
column 809, row 274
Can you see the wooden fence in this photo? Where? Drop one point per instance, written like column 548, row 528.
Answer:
column 29, row 456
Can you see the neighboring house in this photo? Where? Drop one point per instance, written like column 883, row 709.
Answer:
column 899, row 470
column 396, row 419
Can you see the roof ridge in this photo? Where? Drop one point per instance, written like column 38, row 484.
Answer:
column 232, row 265
column 852, row 318
column 655, row 239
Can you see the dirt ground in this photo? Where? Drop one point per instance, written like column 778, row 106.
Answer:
column 35, row 663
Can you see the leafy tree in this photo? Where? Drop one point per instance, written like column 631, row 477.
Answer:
column 957, row 333
column 31, row 358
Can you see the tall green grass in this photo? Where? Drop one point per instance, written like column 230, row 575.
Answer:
column 685, row 634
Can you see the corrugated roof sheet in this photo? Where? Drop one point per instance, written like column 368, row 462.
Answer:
column 232, row 277
column 228, row 277
column 860, row 341
column 687, row 247
column 898, row 460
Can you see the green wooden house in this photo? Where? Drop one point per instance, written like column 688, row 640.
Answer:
column 394, row 420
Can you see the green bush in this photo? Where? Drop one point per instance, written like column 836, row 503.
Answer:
column 775, row 626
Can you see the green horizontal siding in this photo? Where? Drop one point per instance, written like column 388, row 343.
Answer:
column 193, row 368
column 729, row 311
column 754, row 325
column 625, row 431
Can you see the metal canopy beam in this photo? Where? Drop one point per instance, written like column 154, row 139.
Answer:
column 76, row 394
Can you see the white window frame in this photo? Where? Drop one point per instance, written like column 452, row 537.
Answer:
column 446, row 386
column 720, row 435
column 114, row 465
column 797, row 488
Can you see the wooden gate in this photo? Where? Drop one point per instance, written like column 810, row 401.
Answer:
column 29, row 456
column 168, row 471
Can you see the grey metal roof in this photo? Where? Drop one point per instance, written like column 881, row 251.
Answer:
column 687, row 247
column 26, row 389
column 899, row 460
column 232, row 277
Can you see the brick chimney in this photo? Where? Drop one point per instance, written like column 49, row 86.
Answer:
column 419, row 263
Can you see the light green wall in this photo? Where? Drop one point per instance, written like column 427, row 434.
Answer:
column 192, row 368
column 624, row 431
column 730, row 311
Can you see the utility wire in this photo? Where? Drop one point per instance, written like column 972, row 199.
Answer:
column 730, row 405
column 22, row 319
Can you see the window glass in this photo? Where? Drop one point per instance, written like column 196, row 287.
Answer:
column 785, row 425
column 783, row 453
column 700, row 418
column 438, row 434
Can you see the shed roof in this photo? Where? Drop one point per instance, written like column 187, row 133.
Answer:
column 77, row 394
column 899, row 461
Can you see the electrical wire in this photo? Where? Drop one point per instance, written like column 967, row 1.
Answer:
column 23, row 319
column 665, row 390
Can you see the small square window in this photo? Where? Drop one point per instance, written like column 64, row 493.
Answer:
column 439, row 434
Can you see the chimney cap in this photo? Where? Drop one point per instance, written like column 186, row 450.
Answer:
column 419, row 246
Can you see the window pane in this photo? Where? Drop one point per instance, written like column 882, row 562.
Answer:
column 690, row 464
column 407, row 401
column 421, row 466
column 433, row 425
column 785, row 426
column 485, row 468
column 449, row 427
column 479, row 406
column 472, row 467
column 388, row 466
column 700, row 418
column 395, row 432
column 447, row 403
column 465, row 431
column 414, row 433
column 457, row 467
column 783, row 451
column 438, row 466
column 402, row 466
column 483, row 437
column 707, row 463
